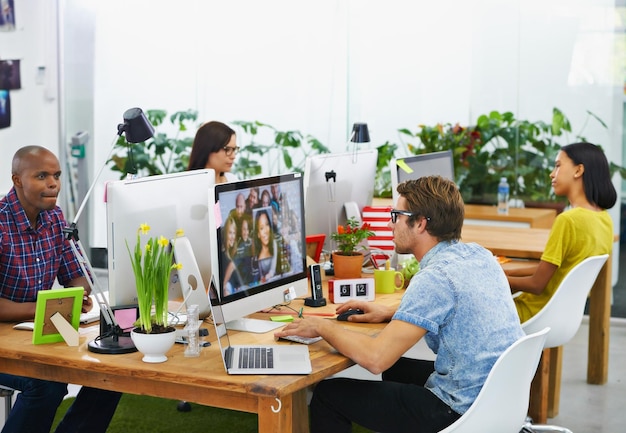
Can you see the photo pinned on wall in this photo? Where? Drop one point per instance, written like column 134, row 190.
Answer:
column 7, row 16
column 5, row 109
column 10, row 77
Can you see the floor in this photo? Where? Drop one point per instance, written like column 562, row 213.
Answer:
column 584, row 408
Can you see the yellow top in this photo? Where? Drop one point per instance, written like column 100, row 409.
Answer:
column 576, row 234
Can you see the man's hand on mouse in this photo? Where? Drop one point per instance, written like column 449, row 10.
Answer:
column 372, row 313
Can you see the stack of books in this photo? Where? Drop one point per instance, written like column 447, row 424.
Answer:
column 381, row 244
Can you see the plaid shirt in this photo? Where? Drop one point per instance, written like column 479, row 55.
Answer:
column 31, row 259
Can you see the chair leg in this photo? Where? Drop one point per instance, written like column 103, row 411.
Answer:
column 538, row 407
column 554, row 381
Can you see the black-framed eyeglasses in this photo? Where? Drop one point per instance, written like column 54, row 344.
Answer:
column 396, row 212
column 229, row 150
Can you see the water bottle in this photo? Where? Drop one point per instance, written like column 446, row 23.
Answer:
column 503, row 197
column 193, row 332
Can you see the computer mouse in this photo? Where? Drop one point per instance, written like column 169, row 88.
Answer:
column 343, row 317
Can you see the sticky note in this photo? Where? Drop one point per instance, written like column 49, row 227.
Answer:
column 284, row 318
column 400, row 163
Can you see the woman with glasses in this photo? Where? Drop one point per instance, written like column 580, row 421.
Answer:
column 215, row 146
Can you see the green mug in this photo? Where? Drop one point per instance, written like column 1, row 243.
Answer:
column 388, row 281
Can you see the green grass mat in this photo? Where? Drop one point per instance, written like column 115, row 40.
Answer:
column 143, row 414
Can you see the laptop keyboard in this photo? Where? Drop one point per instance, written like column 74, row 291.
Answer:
column 253, row 357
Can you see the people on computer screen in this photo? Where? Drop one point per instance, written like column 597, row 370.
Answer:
column 231, row 281
column 265, row 246
column 252, row 202
column 215, row 146
column 266, row 198
column 276, row 196
column 239, row 212
column 244, row 255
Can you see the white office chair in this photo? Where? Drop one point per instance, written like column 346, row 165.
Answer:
column 564, row 313
column 502, row 403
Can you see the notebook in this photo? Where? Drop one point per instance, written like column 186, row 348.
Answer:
column 257, row 359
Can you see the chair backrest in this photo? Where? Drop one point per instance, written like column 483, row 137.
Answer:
column 502, row 404
column 564, row 311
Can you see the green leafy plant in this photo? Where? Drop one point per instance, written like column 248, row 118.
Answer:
column 162, row 153
column 152, row 265
column 349, row 237
column 499, row 145
column 286, row 152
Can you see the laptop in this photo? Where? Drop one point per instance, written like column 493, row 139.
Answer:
column 257, row 359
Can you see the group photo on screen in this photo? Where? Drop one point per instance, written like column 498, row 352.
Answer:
column 260, row 237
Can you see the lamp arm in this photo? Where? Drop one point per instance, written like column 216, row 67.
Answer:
column 71, row 234
column 93, row 184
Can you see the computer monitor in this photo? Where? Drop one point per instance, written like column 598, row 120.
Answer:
column 261, row 247
column 416, row 166
column 330, row 181
column 166, row 203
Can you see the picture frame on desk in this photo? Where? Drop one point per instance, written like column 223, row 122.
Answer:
column 67, row 302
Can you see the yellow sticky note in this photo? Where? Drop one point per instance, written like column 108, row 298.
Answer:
column 400, row 163
column 285, row 318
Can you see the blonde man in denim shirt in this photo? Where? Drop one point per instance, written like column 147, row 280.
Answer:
column 459, row 302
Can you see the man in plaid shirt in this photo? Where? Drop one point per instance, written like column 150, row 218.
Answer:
column 33, row 253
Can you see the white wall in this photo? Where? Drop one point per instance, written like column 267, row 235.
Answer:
column 34, row 108
column 320, row 66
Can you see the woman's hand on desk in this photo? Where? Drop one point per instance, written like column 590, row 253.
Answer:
column 372, row 312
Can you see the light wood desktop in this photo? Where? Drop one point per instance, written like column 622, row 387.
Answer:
column 279, row 401
column 521, row 217
column 488, row 215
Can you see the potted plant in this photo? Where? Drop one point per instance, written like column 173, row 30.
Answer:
column 152, row 265
column 349, row 238
column 499, row 145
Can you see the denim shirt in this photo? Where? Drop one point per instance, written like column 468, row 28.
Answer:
column 461, row 297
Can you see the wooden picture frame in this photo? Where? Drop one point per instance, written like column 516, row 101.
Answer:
column 67, row 302
column 314, row 245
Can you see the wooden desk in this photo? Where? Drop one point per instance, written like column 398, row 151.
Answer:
column 521, row 217
column 279, row 401
column 477, row 214
column 529, row 244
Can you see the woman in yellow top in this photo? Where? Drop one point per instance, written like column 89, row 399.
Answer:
column 581, row 173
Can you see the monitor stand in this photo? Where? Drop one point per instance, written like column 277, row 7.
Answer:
column 256, row 326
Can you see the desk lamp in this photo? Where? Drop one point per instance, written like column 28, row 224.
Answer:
column 360, row 134
column 137, row 128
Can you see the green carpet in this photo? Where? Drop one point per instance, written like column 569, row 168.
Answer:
column 143, row 414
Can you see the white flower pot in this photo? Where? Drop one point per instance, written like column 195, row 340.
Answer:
column 153, row 346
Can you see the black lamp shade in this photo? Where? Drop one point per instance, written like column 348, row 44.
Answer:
column 360, row 133
column 136, row 126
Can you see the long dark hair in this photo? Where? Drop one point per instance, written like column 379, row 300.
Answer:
column 599, row 189
column 210, row 138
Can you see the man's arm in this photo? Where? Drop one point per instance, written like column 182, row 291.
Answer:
column 11, row 311
column 374, row 353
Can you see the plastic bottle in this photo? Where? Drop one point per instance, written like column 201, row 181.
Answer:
column 503, row 197
column 193, row 338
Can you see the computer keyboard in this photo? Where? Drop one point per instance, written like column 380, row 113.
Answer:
column 256, row 357
column 302, row 340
